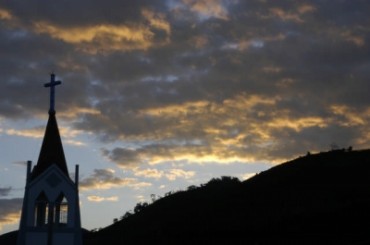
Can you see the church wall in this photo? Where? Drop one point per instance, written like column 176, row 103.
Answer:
column 52, row 193
column 63, row 239
column 39, row 238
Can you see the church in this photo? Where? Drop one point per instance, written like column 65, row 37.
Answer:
column 50, row 212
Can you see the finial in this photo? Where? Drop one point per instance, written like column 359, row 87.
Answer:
column 52, row 85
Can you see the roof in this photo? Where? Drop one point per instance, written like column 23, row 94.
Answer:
column 51, row 150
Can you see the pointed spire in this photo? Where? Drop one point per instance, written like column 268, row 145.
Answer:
column 52, row 149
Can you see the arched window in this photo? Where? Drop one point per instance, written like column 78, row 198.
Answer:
column 41, row 210
column 61, row 210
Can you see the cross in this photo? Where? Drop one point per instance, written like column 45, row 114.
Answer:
column 52, row 85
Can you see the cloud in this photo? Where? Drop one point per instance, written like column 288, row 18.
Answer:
column 102, row 33
column 29, row 133
column 5, row 14
column 94, row 198
column 101, row 38
column 173, row 174
column 170, row 174
column 69, row 135
column 295, row 15
column 104, row 179
column 195, row 81
column 10, row 211
column 5, row 191
column 149, row 173
column 208, row 8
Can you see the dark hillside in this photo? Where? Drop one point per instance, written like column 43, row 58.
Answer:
column 9, row 238
column 316, row 199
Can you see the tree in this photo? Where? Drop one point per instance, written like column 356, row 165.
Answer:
column 126, row 215
column 140, row 207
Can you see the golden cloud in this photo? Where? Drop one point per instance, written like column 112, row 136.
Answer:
column 102, row 37
column 297, row 124
column 149, row 173
column 244, row 128
column 295, row 16
column 74, row 112
column 353, row 38
column 28, row 133
column 351, row 117
column 222, row 127
column 94, row 198
column 156, row 20
column 209, row 8
column 9, row 219
column 5, row 15
column 10, row 211
column 170, row 174
column 68, row 134
column 173, row 174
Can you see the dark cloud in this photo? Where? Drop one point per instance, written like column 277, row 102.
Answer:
column 107, row 179
column 243, row 79
column 5, row 191
column 71, row 13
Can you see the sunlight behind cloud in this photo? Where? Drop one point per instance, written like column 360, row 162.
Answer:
column 10, row 211
column 94, row 198
column 170, row 174
column 298, row 124
column 29, row 133
column 9, row 219
column 350, row 117
column 104, row 37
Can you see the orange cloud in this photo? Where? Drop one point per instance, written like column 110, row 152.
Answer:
column 355, row 39
column 211, row 8
column 9, row 219
column 295, row 16
column 157, row 20
column 351, row 117
column 104, row 37
column 5, row 15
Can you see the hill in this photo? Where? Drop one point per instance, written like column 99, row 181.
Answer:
column 316, row 199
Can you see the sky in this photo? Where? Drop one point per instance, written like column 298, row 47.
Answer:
column 159, row 95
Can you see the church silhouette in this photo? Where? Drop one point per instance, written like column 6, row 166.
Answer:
column 50, row 212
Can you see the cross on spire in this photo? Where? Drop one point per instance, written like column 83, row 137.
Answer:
column 52, row 85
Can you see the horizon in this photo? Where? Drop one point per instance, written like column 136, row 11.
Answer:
column 160, row 95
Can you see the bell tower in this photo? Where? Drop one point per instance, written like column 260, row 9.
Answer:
column 50, row 212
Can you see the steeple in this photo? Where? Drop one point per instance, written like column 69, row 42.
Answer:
column 50, row 211
column 52, row 149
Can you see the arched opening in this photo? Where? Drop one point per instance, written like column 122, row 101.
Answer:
column 61, row 210
column 41, row 210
